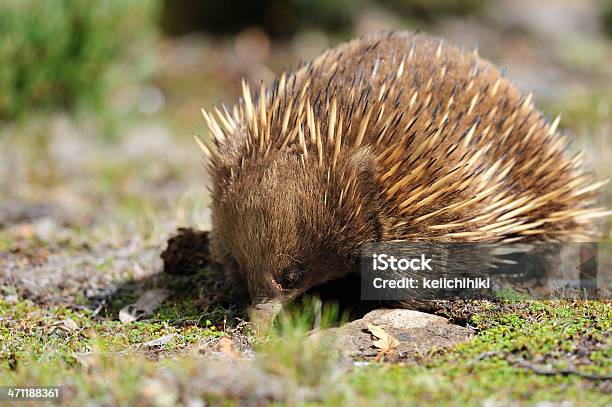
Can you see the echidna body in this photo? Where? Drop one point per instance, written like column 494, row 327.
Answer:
column 392, row 136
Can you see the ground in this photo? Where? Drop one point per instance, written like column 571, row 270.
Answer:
column 522, row 352
column 86, row 212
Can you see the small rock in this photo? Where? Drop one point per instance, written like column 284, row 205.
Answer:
column 417, row 332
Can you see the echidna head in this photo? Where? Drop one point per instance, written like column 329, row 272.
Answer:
column 278, row 219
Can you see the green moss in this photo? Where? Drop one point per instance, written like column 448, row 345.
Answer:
column 103, row 359
column 35, row 335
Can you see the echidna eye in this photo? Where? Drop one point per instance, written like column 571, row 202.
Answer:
column 291, row 276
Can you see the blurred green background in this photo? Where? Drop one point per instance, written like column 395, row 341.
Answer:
column 62, row 54
column 99, row 99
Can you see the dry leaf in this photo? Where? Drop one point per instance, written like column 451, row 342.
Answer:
column 386, row 343
column 148, row 302
column 226, row 346
column 69, row 325
column 89, row 332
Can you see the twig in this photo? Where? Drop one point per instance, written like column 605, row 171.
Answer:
column 553, row 372
column 486, row 355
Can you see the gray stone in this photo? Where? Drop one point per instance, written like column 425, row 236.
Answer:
column 417, row 333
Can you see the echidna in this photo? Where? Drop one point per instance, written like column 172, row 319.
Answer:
column 392, row 136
